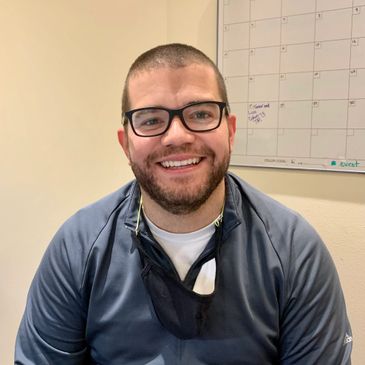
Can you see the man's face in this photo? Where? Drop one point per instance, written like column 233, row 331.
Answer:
column 179, row 169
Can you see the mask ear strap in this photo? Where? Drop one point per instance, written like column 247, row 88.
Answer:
column 217, row 222
column 136, row 230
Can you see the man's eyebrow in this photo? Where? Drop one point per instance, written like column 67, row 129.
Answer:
column 195, row 102
column 185, row 105
column 199, row 101
column 149, row 109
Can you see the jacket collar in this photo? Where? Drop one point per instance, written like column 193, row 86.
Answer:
column 232, row 215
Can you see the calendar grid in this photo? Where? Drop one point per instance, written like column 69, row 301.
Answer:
column 295, row 75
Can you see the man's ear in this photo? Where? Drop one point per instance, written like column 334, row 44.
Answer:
column 123, row 140
column 231, row 122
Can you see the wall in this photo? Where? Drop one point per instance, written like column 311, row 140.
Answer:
column 62, row 66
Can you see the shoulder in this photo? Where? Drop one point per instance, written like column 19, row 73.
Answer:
column 95, row 216
column 304, row 259
column 89, row 228
column 289, row 234
column 89, row 221
column 274, row 215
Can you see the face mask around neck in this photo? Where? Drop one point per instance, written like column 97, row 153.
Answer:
column 180, row 310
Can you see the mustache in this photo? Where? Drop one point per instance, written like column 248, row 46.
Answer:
column 167, row 151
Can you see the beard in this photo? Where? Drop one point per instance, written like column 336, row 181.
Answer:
column 185, row 197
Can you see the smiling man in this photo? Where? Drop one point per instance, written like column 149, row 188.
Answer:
column 179, row 159
column 187, row 264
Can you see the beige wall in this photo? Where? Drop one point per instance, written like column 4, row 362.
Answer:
column 62, row 65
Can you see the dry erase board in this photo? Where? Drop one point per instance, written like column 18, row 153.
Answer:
column 295, row 75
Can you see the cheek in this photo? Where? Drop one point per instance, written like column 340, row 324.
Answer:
column 222, row 144
column 139, row 151
column 131, row 152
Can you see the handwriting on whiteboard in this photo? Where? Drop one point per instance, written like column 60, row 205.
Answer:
column 257, row 112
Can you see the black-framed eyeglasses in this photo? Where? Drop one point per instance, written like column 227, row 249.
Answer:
column 197, row 117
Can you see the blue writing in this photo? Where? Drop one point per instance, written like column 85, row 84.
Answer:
column 256, row 113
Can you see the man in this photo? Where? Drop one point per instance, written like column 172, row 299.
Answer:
column 188, row 264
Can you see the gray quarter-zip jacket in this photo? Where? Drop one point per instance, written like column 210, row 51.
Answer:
column 277, row 297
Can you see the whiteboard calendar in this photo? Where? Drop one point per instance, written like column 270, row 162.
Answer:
column 295, row 76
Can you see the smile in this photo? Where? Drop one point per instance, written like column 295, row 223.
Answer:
column 182, row 163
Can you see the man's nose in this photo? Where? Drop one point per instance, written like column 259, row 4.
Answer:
column 177, row 134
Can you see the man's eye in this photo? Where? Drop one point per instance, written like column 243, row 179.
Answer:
column 151, row 122
column 201, row 115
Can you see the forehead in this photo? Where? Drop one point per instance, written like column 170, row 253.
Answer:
column 172, row 87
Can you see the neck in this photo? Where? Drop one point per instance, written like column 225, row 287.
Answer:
column 184, row 223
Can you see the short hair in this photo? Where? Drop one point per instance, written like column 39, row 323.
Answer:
column 173, row 55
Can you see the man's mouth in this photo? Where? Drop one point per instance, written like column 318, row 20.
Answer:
column 181, row 163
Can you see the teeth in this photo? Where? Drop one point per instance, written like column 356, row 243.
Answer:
column 190, row 161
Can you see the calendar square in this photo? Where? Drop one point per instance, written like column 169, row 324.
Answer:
column 235, row 63
column 236, row 11
column 264, row 9
column 330, row 114
column 333, row 4
column 333, row 55
column 236, row 36
column 301, row 148
column 297, row 86
column 237, row 89
column 264, row 88
column 298, row 29
column 298, row 57
column 262, row 115
column 332, row 85
column 334, row 25
column 295, row 114
column 262, row 142
column 265, row 61
column 296, row 7
column 265, row 33
column 329, row 143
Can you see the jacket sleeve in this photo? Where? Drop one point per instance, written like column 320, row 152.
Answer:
column 52, row 327
column 314, row 324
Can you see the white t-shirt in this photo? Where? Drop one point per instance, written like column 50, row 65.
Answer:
column 184, row 248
